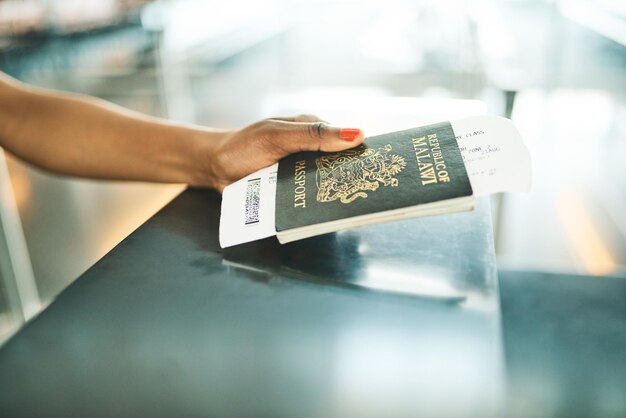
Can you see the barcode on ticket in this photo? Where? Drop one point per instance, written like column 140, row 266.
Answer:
column 253, row 196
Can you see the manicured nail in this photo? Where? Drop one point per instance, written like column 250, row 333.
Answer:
column 349, row 134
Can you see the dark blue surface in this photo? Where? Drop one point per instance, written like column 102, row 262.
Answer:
column 167, row 324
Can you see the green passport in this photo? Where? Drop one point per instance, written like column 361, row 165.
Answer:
column 411, row 173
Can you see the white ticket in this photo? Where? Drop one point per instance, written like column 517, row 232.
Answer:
column 495, row 157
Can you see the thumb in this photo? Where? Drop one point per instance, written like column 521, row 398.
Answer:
column 317, row 136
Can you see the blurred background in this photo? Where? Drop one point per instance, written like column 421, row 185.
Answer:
column 557, row 68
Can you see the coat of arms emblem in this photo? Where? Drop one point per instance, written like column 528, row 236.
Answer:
column 348, row 175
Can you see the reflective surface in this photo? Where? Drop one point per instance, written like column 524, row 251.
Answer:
column 565, row 339
column 168, row 324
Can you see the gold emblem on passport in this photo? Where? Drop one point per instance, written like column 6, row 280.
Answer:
column 348, row 175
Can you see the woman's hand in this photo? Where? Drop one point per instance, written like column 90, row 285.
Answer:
column 83, row 136
column 240, row 152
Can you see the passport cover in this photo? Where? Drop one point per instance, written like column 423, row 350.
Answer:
column 390, row 171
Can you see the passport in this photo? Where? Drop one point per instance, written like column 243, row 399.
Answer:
column 398, row 175
column 405, row 174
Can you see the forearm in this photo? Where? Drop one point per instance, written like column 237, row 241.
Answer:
column 86, row 137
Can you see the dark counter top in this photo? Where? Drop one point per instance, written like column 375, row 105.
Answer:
column 168, row 324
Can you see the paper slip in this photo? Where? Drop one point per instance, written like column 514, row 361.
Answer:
column 248, row 208
column 495, row 158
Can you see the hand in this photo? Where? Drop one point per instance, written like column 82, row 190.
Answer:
column 83, row 136
column 241, row 152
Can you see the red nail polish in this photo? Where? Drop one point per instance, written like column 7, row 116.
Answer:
column 349, row 134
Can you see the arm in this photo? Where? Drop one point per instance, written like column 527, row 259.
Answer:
column 87, row 137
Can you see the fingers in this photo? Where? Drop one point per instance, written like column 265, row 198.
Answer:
column 320, row 136
column 294, row 136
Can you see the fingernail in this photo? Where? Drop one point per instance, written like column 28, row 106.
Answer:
column 349, row 134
